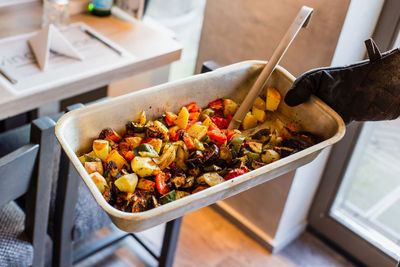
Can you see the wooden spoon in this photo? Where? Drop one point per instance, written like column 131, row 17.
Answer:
column 302, row 19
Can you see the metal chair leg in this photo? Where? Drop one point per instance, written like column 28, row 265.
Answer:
column 169, row 243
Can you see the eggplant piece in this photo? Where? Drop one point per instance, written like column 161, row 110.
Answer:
column 211, row 153
column 195, row 159
column 235, row 163
column 262, row 135
column 225, row 154
column 193, row 172
column 257, row 164
column 285, row 151
column 212, row 168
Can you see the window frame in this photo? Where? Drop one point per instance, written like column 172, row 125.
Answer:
column 320, row 218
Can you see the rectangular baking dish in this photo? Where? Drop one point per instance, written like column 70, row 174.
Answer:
column 77, row 129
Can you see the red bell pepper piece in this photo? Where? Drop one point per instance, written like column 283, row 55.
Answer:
column 217, row 136
column 216, row 104
column 170, row 118
column 194, row 117
column 229, row 134
column 222, row 123
column 193, row 107
column 160, row 183
column 236, row 172
column 128, row 155
column 188, row 141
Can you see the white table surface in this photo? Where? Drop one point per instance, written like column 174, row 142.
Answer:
column 153, row 47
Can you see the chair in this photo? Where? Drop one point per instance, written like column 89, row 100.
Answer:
column 28, row 163
column 77, row 215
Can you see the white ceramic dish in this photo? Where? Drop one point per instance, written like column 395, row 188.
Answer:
column 77, row 129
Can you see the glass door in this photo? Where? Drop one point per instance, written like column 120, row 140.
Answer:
column 357, row 205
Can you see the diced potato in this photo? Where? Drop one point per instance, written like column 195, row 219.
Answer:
column 273, row 99
column 197, row 131
column 260, row 114
column 143, row 166
column 146, row 185
column 207, row 122
column 127, row 183
column 134, row 141
column 183, row 118
column 92, row 167
column 100, row 148
column 230, row 107
column 249, row 121
column 270, row 156
column 259, row 103
column 163, row 129
column 211, row 178
column 256, row 147
column 117, row 158
column 99, row 181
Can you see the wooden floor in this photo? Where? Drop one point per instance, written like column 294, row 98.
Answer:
column 207, row 239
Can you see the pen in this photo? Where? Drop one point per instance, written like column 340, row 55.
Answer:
column 91, row 34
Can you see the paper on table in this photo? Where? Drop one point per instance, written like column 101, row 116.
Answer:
column 17, row 60
column 50, row 38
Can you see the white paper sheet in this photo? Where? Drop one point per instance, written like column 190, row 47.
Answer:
column 17, row 61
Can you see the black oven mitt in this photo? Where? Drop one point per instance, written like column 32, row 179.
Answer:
column 365, row 91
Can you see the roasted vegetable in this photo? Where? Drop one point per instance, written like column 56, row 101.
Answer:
column 99, row 181
column 181, row 194
column 117, row 158
column 197, row 131
column 259, row 114
column 145, row 150
column 211, row 178
column 143, row 166
column 146, row 185
column 133, row 141
column 169, row 197
column 163, row 159
column 127, row 183
column 259, row 103
column 160, row 183
column 270, row 156
column 110, row 135
column 101, row 149
column 183, row 118
column 249, row 121
column 273, row 99
column 92, row 167
column 230, row 107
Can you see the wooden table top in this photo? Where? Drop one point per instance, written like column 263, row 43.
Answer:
column 153, row 47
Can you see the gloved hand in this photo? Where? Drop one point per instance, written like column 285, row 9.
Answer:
column 365, row 91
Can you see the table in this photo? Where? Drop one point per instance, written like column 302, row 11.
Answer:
column 153, row 47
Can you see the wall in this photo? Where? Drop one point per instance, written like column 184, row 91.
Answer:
column 235, row 30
